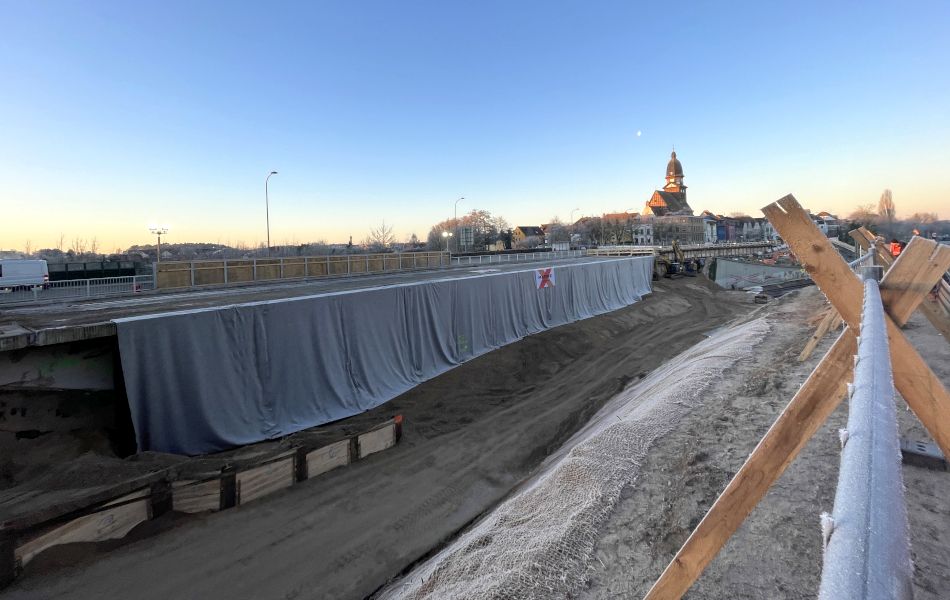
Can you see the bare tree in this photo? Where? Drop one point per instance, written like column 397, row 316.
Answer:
column 557, row 232
column 885, row 206
column 923, row 218
column 28, row 248
column 62, row 239
column 78, row 247
column 94, row 246
column 381, row 237
column 863, row 213
column 616, row 229
column 886, row 210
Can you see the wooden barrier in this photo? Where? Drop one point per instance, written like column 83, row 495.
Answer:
column 22, row 540
column 113, row 520
column 902, row 289
column 179, row 274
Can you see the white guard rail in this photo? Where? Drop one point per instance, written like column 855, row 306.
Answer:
column 490, row 259
column 77, row 289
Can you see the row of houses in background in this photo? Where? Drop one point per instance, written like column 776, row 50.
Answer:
column 666, row 216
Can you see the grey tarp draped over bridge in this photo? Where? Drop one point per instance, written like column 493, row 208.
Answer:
column 210, row 379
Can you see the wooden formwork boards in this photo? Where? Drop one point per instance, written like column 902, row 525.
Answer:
column 23, row 539
column 176, row 274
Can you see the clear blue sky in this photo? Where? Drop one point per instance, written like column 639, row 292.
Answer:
column 117, row 114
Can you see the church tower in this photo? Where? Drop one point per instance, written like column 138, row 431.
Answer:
column 671, row 200
column 674, row 176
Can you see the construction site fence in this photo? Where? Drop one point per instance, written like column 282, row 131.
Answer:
column 222, row 272
column 490, row 259
column 78, row 289
column 689, row 250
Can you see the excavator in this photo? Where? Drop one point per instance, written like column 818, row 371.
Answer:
column 681, row 266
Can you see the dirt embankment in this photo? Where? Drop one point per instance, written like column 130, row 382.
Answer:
column 470, row 436
column 777, row 552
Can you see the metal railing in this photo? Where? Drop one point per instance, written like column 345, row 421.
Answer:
column 195, row 273
column 867, row 553
column 77, row 289
column 493, row 259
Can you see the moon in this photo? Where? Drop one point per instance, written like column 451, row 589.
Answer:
column 639, row 133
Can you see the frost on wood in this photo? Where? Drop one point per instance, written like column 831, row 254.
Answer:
column 540, row 541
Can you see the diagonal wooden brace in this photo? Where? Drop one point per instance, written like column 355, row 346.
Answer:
column 818, row 397
column 934, row 314
column 918, row 385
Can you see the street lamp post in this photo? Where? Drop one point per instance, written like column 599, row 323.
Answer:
column 457, row 220
column 267, row 207
column 446, row 235
column 571, row 239
column 158, row 231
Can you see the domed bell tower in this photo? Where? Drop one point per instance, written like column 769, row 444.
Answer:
column 674, row 175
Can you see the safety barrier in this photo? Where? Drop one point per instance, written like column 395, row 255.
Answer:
column 110, row 510
column 77, row 289
column 181, row 274
column 491, row 259
column 863, row 528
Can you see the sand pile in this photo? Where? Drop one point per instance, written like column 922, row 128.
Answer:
column 539, row 542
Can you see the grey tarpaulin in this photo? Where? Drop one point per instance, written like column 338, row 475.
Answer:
column 210, row 379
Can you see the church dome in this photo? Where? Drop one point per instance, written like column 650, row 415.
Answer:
column 674, row 168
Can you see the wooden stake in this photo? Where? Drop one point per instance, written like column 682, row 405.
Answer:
column 805, row 413
column 826, row 324
column 921, row 389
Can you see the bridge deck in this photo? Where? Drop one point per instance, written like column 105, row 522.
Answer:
column 46, row 324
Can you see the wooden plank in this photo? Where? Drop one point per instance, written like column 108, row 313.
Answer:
column 109, row 523
column 377, row 440
column 926, row 262
column 866, row 240
column 35, row 506
column 823, row 328
column 938, row 318
column 818, row 257
column 327, row 458
column 806, row 412
column 265, row 479
column 190, row 496
column 918, row 385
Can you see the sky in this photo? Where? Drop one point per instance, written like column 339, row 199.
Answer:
column 118, row 115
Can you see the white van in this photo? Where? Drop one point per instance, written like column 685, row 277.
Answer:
column 23, row 274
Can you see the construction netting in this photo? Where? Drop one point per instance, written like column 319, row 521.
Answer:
column 209, row 379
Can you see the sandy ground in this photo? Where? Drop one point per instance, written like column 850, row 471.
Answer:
column 470, row 436
column 777, row 552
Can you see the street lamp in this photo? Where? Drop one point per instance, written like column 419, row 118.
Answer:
column 571, row 240
column 267, row 208
column 446, row 235
column 158, row 231
column 457, row 220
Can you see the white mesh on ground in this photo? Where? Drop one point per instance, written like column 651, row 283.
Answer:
column 538, row 542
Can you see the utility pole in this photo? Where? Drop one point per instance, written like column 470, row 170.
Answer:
column 570, row 240
column 456, row 220
column 267, row 208
column 158, row 231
